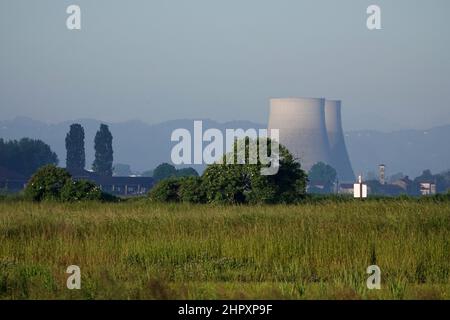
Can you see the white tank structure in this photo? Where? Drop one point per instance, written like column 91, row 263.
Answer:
column 302, row 128
column 339, row 156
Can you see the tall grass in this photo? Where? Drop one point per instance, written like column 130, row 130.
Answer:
column 141, row 250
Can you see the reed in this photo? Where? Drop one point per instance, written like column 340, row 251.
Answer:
column 143, row 250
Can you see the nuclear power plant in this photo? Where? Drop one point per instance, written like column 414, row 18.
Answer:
column 339, row 156
column 311, row 129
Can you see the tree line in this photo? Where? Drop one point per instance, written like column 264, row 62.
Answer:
column 26, row 156
column 238, row 183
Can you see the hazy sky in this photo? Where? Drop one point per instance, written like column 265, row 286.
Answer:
column 156, row 60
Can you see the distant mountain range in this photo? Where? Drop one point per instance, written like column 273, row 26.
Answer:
column 144, row 146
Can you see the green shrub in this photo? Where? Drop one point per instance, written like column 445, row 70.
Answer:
column 12, row 197
column 166, row 191
column 185, row 189
column 191, row 190
column 46, row 183
column 440, row 197
column 107, row 197
column 80, row 190
column 53, row 183
column 225, row 184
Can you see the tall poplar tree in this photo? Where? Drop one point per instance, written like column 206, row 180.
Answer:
column 75, row 157
column 103, row 152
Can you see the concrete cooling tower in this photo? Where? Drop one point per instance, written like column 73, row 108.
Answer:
column 339, row 156
column 311, row 129
column 301, row 122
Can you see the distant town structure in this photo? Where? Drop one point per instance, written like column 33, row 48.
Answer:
column 346, row 188
column 404, row 184
column 427, row 188
column 124, row 186
column 360, row 189
column 311, row 129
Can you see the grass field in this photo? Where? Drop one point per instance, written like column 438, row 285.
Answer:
column 140, row 250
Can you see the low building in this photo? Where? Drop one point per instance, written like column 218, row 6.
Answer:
column 404, row 183
column 427, row 188
column 316, row 186
column 345, row 188
column 126, row 186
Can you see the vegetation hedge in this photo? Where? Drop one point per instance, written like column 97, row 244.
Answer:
column 53, row 183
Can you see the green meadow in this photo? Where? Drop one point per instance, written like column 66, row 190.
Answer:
column 141, row 250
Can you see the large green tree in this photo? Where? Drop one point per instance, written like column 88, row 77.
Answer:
column 75, row 154
column 323, row 174
column 243, row 182
column 103, row 152
column 166, row 170
column 26, row 155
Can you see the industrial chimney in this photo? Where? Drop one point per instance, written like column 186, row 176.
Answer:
column 301, row 122
column 339, row 156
